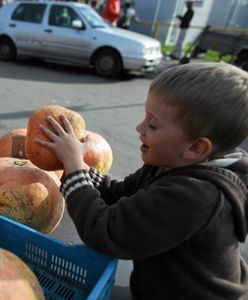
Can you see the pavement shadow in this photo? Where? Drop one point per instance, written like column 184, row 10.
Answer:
column 77, row 108
column 37, row 70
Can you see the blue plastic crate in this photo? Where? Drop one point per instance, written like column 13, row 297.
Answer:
column 65, row 272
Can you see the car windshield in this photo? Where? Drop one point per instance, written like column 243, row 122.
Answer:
column 93, row 18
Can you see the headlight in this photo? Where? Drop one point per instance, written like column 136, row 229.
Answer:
column 151, row 50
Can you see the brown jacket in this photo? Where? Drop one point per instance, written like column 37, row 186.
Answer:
column 181, row 228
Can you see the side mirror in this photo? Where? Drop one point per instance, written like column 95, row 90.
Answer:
column 77, row 24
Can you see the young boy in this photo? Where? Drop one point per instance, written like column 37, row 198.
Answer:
column 181, row 216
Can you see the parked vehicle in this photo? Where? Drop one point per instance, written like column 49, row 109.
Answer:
column 235, row 44
column 73, row 33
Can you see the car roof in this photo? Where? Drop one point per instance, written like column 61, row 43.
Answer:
column 68, row 3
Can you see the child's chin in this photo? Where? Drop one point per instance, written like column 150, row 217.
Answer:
column 145, row 158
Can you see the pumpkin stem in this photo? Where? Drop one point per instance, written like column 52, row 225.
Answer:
column 20, row 162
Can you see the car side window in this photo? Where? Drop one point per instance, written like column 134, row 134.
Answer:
column 62, row 16
column 32, row 13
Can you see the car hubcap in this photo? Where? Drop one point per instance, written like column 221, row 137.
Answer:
column 4, row 50
column 106, row 63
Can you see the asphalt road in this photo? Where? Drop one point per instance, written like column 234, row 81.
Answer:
column 110, row 107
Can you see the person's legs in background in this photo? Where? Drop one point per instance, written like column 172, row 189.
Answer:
column 177, row 51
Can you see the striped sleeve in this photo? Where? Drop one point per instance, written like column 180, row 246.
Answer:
column 74, row 182
column 96, row 177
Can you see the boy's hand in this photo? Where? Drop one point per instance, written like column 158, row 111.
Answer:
column 68, row 149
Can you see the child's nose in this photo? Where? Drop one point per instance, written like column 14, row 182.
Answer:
column 139, row 128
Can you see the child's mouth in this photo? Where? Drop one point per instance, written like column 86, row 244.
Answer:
column 143, row 148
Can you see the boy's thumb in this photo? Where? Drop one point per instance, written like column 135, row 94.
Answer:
column 87, row 142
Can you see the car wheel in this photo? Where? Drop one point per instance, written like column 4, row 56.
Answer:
column 7, row 49
column 107, row 63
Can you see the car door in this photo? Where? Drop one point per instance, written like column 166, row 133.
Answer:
column 25, row 27
column 63, row 41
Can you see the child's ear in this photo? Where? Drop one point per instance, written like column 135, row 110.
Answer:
column 200, row 149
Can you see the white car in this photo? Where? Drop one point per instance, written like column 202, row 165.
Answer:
column 73, row 33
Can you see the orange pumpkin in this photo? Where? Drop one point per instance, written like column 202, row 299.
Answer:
column 30, row 195
column 99, row 154
column 12, row 144
column 17, row 280
column 41, row 156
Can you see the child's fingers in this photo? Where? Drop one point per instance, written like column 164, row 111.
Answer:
column 87, row 141
column 48, row 132
column 58, row 128
column 66, row 124
column 86, row 144
column 44, row 143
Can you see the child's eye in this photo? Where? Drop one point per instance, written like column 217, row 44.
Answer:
column 151, row 126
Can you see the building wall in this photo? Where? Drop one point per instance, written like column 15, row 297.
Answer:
column 221, row 12
column 232, row 13
column 238, row 16
column 166, row 12
column 154, row 11
column 217, row 13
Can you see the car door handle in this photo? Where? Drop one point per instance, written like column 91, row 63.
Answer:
column 48, row 30
column 12, row 25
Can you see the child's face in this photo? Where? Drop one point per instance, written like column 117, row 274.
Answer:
column 163, row 140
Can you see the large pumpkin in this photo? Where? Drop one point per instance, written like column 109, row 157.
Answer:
column 12, row 144
column 30, row 195
column 17, row 280
column 41, row 156
column 99, row 154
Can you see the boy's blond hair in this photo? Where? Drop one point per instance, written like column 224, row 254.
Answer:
column 212, row 99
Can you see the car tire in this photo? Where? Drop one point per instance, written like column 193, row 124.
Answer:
column 7, row 49
column 107, row 63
